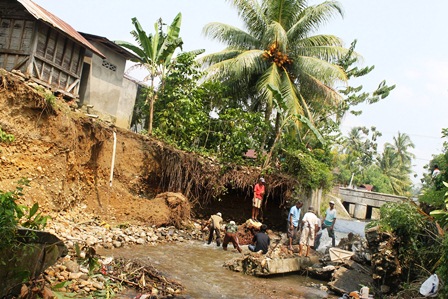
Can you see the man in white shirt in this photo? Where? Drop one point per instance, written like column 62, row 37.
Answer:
column 310, row 227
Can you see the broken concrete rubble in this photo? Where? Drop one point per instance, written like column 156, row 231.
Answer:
column 346, row 274
column 351, row 276
column 261, row 265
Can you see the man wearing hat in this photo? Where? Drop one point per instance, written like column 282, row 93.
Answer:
column 329, row 221
column 214, row 224
column 259, row 190
column 231, row 236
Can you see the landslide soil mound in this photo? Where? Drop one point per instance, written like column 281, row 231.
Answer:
column 67, row 157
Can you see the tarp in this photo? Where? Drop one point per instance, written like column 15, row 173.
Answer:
column 339, row 255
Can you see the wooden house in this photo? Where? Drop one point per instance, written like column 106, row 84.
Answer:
column 42, row 46
column 81, row 66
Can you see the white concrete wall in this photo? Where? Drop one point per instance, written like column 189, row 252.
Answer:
column 126, row 104
column 106, row 84
column 112, row 95
column 104, row 87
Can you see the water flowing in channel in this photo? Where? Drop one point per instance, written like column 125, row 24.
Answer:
column 199, row 267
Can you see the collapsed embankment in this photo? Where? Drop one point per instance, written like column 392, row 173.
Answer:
column 67, row 157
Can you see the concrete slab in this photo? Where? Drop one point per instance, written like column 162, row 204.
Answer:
column 278, row 266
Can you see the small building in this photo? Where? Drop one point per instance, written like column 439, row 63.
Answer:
column 104, row 85
column 42, row 46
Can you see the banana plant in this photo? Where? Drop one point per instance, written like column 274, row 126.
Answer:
column 154, row 53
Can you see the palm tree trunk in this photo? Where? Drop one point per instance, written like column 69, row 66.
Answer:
column 151, row 112
column 151, row 103
column 267, row 116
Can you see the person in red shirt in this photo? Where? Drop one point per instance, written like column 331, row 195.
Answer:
column 258, row 198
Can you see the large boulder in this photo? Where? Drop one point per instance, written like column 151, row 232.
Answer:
column 172, row 209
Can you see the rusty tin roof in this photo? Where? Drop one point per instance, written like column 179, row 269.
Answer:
column 111, row 45
column 49, row 18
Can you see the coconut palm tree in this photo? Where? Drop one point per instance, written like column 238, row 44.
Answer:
column 400, row 147
column 277, row 54
column 154, row 52
column 391, row 167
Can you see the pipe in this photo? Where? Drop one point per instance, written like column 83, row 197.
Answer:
column 113, row 160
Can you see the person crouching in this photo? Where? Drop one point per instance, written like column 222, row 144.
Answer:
column 231, row 236
column 214, row 226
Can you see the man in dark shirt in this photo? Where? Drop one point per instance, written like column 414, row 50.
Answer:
column 260, row 241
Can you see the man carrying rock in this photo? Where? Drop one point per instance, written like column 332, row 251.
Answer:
column 231, row 236
column 214, row 225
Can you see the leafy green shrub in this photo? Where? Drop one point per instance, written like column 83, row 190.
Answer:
column 308, row 169
column 442, row 270
column 442, row 215
column 12, row 215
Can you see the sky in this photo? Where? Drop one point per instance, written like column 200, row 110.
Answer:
column 406, row 41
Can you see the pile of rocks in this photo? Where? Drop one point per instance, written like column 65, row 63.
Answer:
column 88, row 230
column 83, row 233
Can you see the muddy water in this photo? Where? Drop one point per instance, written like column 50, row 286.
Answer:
column 199, row 267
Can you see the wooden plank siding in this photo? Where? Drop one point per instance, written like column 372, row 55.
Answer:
column 58, row 60
column 15, row 39
column 46, row 54
column 16, row 33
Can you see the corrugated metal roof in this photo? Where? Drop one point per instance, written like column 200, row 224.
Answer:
column 49, row 18
column 110, row 44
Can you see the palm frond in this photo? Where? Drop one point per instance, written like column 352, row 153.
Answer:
column 217, row 57
column 244, row 64
column 319, row 69
column 293, row 99
column 270, row 78
column 316, row 92
column 321, row 40
column 313, row 17
column 313, row 129
column 283, row 11
column 252, row 14
column 230, row 35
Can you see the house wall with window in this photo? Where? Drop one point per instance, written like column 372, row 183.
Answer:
column 104, row 84
column 102, row 89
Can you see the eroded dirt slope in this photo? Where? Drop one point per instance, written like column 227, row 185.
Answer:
column 67, row 158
